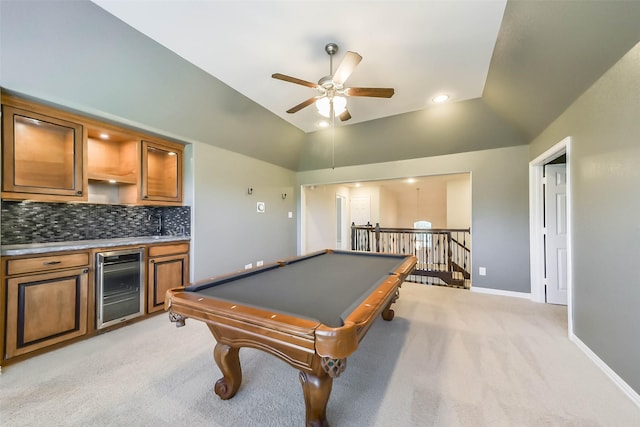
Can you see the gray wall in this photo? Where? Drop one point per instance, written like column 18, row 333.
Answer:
column 77, row 56
column 604, row 124
column 229, row 232
column 499, row 205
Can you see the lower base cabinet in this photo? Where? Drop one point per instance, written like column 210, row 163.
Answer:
column 47, row 307
column 168, row 268
column 51, row 298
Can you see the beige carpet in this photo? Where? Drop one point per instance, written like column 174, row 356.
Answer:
column 449, row 358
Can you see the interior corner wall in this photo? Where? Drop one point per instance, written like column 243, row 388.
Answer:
column 459, row 203
column 321, row 218
column 388, row 208
column 229, row 230
column 499, row 203
column 604, row 156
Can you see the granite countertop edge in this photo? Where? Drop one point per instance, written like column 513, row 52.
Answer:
column 39, row 248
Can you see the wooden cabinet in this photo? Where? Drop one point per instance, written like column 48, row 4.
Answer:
column 54, row 155
column 161, row 174
column 46, row 300
column 43, row 156
column 168, row 267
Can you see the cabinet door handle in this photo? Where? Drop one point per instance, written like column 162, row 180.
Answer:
column 52, row 262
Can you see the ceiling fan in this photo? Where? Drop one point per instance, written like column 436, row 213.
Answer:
column 331, row 101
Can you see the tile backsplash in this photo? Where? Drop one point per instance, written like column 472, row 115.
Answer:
column 36, row 222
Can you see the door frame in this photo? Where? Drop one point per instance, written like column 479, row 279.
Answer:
column 536, row 224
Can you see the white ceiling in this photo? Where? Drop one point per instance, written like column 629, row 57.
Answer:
column 419, row 48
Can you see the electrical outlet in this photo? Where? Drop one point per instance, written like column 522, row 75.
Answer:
column 482, row 271
column 248, row 266
column 259, row 263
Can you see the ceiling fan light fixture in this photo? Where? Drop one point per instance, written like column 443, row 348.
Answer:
column 324, row 106
column 440, row 99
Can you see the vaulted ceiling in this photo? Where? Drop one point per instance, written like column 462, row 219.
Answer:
column 527, row 60
column 200, row 70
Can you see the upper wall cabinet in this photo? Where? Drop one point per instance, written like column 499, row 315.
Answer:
column 160, row 180
column 57, row 156
column 161, row 171
column 43, row 157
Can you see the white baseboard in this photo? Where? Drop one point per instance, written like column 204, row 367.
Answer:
column 500, row 292
column 626, row 389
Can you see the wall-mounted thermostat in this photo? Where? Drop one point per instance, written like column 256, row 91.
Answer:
column 260, row 207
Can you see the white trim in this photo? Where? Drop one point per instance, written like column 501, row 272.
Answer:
column 626, row 389
column 536, row 203
column 500, row 292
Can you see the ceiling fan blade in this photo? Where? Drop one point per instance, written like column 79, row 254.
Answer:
column 294, row 80
column 346, row 67
column 344, row 116
column 302, row 105
column 378, row 92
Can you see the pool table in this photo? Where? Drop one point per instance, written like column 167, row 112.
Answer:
column 311, row 311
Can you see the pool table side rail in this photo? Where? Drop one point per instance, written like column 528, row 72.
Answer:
column 339, row 342
column 290, row 338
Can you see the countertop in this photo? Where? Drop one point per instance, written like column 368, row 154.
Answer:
column 39, row 248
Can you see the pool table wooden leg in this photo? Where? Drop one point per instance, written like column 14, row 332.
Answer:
column 229, row 363
column 388, row 313
column 316, row 391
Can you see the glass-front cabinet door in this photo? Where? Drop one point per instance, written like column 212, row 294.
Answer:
column 42, row 155
column 161, row 172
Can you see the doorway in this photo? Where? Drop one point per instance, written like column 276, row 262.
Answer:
column 541, row 269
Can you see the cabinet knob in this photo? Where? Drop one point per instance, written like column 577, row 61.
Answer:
column 79, row 192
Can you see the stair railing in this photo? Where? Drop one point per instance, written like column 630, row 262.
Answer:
column 444, row 255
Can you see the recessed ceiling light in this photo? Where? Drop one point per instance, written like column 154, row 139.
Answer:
column 411, row 180
column 440, row 99
column 323, row 124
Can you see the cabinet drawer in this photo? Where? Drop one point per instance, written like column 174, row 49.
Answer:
column 46, row 263
column 162, row 250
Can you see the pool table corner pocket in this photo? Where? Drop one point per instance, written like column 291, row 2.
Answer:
column 337, row 343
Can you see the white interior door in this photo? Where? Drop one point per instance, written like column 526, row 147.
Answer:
column 556, row 233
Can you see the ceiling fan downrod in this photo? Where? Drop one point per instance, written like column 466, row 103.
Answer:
column 331, row 49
